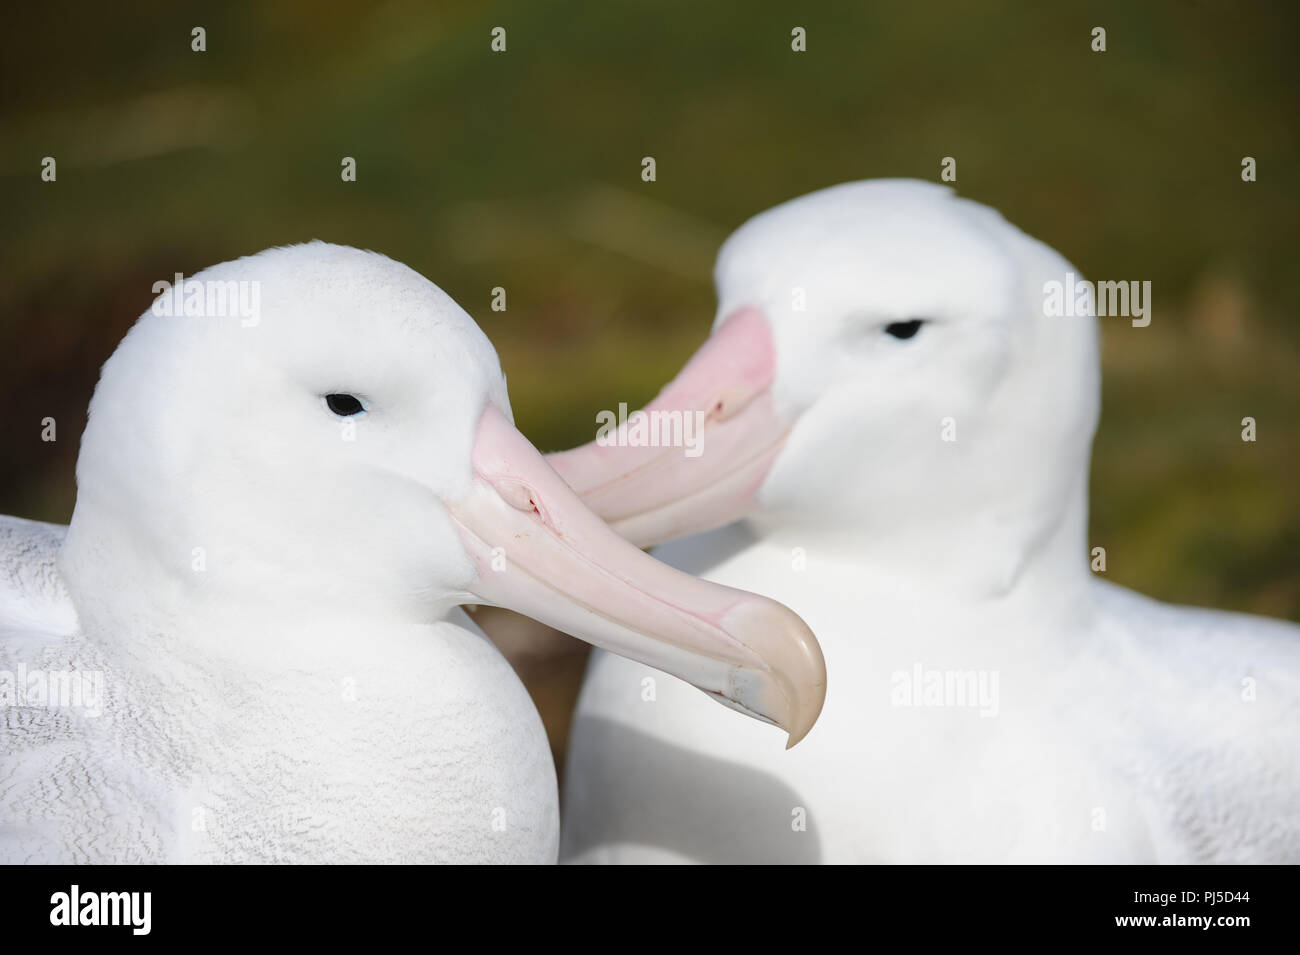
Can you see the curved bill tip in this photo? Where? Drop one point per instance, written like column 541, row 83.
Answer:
column 787, row 687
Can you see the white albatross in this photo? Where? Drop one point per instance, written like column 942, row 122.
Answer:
column 248, row 646
column 905, row 435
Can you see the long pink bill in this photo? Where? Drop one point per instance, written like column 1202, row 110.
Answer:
column 541, row 552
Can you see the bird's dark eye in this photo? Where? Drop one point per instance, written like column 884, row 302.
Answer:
column 344, row 405
column 904, row 329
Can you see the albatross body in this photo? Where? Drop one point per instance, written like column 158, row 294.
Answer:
column 896, row 445
column 401, row 749
column 248, row 644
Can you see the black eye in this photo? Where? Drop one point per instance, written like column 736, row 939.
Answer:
column 904, row 329
column 344, row 405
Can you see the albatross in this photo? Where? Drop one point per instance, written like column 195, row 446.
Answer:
column 896, row 444
column 248, row 646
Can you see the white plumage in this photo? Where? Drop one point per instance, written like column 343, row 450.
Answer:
column 927, row 515
column 248, row 647
column 269, row 693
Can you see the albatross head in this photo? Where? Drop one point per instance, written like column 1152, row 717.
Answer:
column 347, row 453
column 881, row 369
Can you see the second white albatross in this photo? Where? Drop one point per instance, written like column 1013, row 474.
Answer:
column 901, row 433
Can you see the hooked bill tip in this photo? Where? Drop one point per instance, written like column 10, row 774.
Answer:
column 785, row 681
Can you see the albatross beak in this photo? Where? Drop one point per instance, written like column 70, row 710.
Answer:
column 654, row 494
column 540, row 552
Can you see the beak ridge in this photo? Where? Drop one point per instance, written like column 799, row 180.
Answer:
column 539, row 551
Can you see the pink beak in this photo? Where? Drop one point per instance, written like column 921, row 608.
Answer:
column 655, row 494
column 541, row 552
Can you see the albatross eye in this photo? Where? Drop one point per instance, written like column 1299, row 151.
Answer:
column 904, row 329
column 344, row 405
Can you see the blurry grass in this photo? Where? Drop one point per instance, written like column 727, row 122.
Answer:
column 1186, row 509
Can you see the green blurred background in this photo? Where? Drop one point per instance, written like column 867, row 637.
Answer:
column 522, row 169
